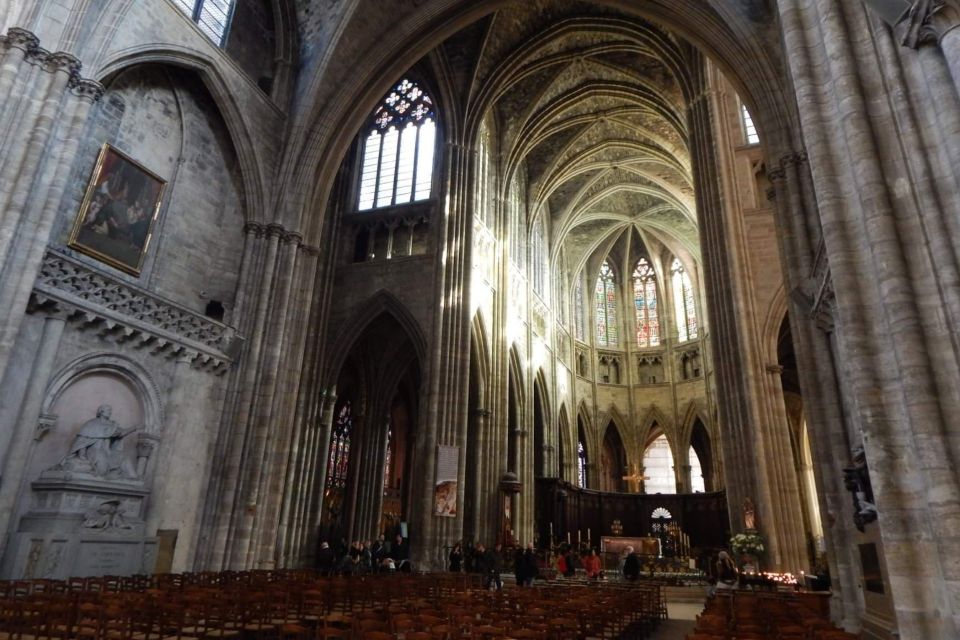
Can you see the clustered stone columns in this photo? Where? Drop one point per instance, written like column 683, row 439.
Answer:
column 889, row 235
column 43, row 115
column 265, row 418
column 754, row 431
column 447, row 368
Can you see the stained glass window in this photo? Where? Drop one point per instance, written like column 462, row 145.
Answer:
column 579, row 309
column 398, row 150
column 645, row 304
column 339, row 455
column 581, row 464
column 539, row 260
column 212, row 16
column 749, row 129
column 658, row 467
column 684, row 308
column 606, row 301
column 388, row 461
column 697, row 485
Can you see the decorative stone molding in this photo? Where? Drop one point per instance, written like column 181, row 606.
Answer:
column 29, row 43
column 126, row 313
column 918, row 23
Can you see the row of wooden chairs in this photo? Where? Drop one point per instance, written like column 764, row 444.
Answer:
column 767, row 616
column 301, row 605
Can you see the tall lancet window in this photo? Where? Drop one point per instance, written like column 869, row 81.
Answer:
column 398, row 149
column 606, row 301
column 685, row 310
column 645, row 304
column 339, row 454
column 539, row 257
column 579, row 320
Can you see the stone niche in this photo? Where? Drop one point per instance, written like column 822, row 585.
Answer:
column 83, row 512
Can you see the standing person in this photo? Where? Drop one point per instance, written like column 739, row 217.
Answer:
column 456, row 558
column 726, row 571
column 518, row 570
column 530, row 567
column 490, row 563
column 366, row 557
column 631, row 565
column 326, row 559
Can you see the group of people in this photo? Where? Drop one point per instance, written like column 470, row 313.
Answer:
column 490, row 564
column 568, row 561
column 365, row 557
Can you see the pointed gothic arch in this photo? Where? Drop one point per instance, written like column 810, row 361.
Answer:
column 381, row 302
column 613, row 455
column 544, row 465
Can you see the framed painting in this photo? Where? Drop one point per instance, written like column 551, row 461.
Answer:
column 119, row 210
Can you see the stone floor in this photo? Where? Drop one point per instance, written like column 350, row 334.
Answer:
column 681, row 621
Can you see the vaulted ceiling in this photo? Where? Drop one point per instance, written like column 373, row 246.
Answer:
column 591, row 104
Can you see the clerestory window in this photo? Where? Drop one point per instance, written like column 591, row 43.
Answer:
column 684, row 307
column 212, row 16
column 645, row 304
column 605, row 295
column 398, row 149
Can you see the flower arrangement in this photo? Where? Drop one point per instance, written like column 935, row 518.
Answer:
column 749, row 543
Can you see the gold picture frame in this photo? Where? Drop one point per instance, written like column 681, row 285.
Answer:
column 120, row 207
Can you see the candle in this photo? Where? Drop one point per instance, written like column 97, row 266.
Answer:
column 578, row 537
column 588, row 535
column 551, row 533
column 568, row 537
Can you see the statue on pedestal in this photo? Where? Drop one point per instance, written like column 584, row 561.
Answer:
column 98, row 449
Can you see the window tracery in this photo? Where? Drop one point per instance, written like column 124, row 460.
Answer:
column 658, row 467
column 645, row 304
column 606, row 303
column 580, row 320
column 339, row 452
column 397, row 157
column 581, row 464
column 684, row 306
column 212, row 16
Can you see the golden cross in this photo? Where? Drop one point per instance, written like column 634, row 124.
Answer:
column 635, row 478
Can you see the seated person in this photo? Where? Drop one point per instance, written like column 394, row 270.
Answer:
column 631, row 565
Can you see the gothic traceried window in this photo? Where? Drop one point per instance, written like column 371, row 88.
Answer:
column 212, row 16
column 645, row 304
column 684, row 308
column 539, row 266
column 339, row 453
column 398, row 149
column 658, row 467
column 579, row 319
column 606, row 303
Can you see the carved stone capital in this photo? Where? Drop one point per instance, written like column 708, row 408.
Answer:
column 274, row 230
column 777, row 174
column 87, row 89
column 920, row 24
column 62, row 61
column 21, row 39
column 253, row 228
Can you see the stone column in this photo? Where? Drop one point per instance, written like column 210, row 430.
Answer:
column 898, row 352
column 25, row 431
column 41, row 120
column 444, row 418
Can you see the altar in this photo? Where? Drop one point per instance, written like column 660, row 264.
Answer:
column 617, row 545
